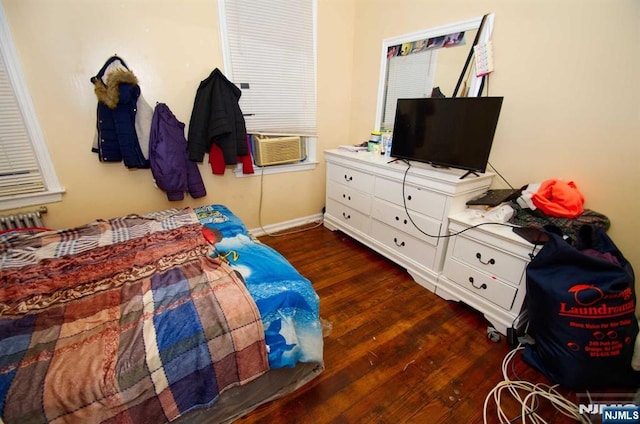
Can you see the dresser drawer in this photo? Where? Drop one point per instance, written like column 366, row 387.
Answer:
column 488, row 259
column 480, row 283
column 403, row 244
column 350, row 177
column 350, row 197
column 395, row 216
column 348, row 216
column 421, row 200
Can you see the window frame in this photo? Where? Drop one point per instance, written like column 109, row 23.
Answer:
column 311, row 161
column 53, row 189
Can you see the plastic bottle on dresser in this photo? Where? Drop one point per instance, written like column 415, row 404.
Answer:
column 386, row 143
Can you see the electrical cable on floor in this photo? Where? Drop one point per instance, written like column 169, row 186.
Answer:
column 530, row 402
column 533, row 393
column 279, row 234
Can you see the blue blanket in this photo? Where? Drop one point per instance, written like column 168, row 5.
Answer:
column 288, row 304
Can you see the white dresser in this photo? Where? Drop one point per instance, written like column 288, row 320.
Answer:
column 485, row 268
column 368, row 198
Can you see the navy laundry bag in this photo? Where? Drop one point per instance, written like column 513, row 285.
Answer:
column 581, row 308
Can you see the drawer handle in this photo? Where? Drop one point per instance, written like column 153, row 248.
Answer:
column 404, row 220
column 489, row 262
column 482, row 286
column 346, row 216
column 347, row 178
column 395, row 240
column 344, row 196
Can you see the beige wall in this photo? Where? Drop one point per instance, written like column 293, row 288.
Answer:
column 568, row 71
column 171, row 46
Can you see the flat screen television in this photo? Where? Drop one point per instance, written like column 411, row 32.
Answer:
column 453, row 132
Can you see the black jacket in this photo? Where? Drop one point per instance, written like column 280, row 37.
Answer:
column 217, row 118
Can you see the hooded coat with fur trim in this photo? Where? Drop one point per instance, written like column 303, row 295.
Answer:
column 117, row 90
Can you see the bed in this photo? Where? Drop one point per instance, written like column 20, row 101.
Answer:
column 175, row 316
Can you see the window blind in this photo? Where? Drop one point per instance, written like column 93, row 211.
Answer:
column 19, row 170
column 409, row 76
column 27, row 176
column 271, row 56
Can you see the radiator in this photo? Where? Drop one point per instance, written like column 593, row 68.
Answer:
column 23, row 219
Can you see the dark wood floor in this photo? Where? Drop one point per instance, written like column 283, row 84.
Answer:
column 396, row 353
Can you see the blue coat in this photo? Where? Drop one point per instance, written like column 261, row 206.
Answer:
column 117, row 92
column 173, row 171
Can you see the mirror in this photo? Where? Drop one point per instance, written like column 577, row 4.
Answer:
column 414, row 65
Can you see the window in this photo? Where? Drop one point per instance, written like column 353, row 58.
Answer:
column 27, row 176
column 269, row 50
column 414, row 64
column 409, row 76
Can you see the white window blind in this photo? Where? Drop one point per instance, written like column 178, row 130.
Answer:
column 409, row 76
column 26, row 172
column 271, row 55
column 19, row 171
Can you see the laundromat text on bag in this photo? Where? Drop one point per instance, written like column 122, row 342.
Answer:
column 605, row 341
column 585, row 303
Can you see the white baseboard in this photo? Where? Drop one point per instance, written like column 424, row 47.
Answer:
column 275, row 228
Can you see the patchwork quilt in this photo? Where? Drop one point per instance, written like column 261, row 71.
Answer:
column 123, row 320
column 288, row 304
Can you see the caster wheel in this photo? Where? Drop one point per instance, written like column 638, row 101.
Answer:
column 493, row 335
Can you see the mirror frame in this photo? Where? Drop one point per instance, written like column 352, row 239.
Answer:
column 468, row 25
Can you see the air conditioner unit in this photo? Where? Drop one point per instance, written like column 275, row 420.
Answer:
column 277, row 150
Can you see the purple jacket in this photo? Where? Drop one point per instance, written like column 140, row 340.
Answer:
column 173, row 171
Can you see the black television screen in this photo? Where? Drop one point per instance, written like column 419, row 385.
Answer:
column 454, row 132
